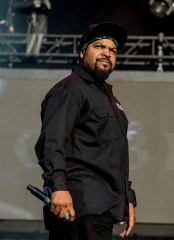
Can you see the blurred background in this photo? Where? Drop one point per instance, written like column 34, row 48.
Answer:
column 39, row 42
column 69, row 17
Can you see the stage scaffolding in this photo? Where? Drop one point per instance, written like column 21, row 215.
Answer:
column 61, row 51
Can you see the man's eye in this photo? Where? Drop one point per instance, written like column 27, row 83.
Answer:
column 98, row 46
column 114, row 51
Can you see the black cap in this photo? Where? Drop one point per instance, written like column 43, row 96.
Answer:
column 107, row 29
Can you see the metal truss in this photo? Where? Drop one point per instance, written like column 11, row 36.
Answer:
column 61, row 51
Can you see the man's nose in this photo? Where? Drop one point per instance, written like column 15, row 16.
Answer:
column 106, row 52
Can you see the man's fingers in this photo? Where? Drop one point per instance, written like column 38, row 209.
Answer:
column 61, row 212
column 58, row 210
column 130, row 227
column 123, row 234
column 55, row 209
column 126, row 232
column 122, row 229
column 72, row 214
column 62, row 204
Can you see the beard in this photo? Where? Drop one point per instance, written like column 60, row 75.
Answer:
column 99, row 74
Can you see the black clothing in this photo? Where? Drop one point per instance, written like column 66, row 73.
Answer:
column 83, row 146
column 89, row 227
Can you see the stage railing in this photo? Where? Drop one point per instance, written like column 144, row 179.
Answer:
column 61, row 51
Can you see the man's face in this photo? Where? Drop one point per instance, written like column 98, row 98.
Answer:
column 100, row 55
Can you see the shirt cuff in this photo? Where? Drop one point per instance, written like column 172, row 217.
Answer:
column 131, row 196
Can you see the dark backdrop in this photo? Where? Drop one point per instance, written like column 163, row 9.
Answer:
column 69, row 16
column 72, row 17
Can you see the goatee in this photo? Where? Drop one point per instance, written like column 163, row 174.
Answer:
column 100, row 75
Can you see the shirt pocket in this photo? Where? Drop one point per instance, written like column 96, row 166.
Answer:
column 108, row 127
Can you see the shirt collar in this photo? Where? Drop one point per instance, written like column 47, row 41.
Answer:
column 87, row 77
column 83, row 74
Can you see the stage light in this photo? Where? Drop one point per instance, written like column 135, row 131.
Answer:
column 37, row 3
column 30, row 4
column 160, row 8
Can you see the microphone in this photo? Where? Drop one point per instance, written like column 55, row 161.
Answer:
column 43, row 197
column 39, row 194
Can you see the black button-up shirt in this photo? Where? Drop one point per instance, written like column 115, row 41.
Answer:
column 83, row 145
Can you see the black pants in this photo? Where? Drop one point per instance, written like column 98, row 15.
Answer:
column 89, row 227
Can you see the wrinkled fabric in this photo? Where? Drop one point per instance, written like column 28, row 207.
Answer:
column 83, row 146
column 90, row 227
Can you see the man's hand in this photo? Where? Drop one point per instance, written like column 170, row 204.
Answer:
column 130, row 223
column 61, row 203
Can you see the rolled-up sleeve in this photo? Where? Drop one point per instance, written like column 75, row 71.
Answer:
column 131, row 196
column 59, row 116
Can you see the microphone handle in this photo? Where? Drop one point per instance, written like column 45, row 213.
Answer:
column 39, row 194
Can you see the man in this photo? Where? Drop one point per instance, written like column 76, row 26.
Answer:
column 83, row 148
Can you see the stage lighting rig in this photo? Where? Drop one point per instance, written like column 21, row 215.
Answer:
column 36, row 12
column 30, row 5
column 160, row 8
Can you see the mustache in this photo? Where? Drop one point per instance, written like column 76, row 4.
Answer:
column 106, row 59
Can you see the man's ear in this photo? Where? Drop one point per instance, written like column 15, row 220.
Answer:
column 82, row 54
